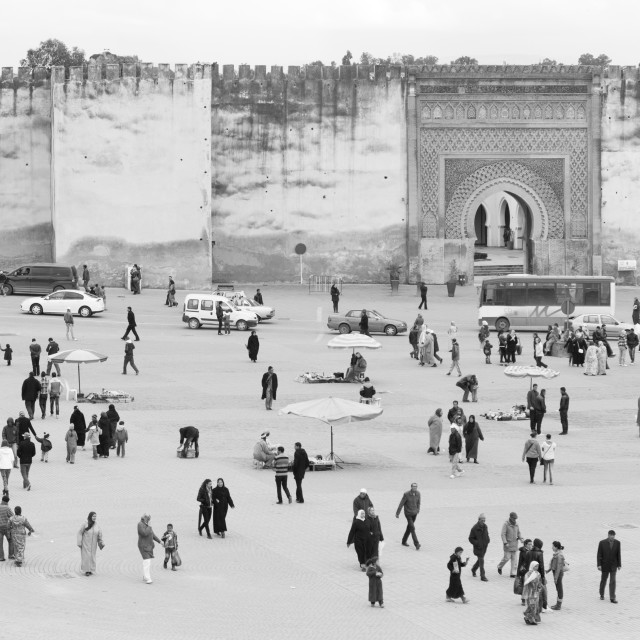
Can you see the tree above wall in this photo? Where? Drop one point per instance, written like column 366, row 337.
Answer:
column 600, row 61
column 53, row 52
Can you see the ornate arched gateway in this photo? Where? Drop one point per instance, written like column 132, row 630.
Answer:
column 533, row 132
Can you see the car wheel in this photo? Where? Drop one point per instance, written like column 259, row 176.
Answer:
column 194, row 323
column 36, row 309
column 8, row 289
column 242, row 325
column 390, row 330
column 85, row 312
column 502, row 324
column 58, row 288
column 344, row 328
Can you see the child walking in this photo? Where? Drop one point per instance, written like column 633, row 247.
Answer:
column 122, row 437
column 486, row 349
column 227, row 323
column 170, row 541
column 8, row 354
column 45, row 447
column 374, row 573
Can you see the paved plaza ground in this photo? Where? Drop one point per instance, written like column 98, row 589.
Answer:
column 284, row 571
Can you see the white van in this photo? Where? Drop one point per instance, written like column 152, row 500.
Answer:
column 200, row 310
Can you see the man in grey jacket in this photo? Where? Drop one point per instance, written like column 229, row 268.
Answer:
column 510, row 536
column 411, row 503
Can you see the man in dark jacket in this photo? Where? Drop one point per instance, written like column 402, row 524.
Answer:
column 609, row 562
column 30, row 390
column 219, row 316
column 79, row 424
column 269, row 387
column 11, row 434
column 632, row 343
column 300, row 464
column 531, row 395
column 362, row 501
column 189, row 435
column 26, row 451
column 131, row 325
column 35, row 350
column 423, row 295
column 52, row 348
column 411, row 503
column 479, row 539
column 335, row 297
column 258, row 297
column 128, row 357
column 469, row 384
column 455, row 447
column 564, row 411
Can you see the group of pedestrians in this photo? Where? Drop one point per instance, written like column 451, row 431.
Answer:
column 214, row 503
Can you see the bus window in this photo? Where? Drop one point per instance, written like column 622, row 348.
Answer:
column 567, row 291
column 541, row 294
column 605, row 294
column 488, row 294
column 515, row 294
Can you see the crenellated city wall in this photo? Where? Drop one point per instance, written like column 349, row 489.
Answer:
column 120, row 169
column 208, row 170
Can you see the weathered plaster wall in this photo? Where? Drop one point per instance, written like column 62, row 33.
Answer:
column 132, row 172
column 315, row 157
column 25, row 160
column 621, row 170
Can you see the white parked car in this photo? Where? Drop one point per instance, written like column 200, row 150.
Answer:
column 241, row 301
column 593, row 320
column 81, row 303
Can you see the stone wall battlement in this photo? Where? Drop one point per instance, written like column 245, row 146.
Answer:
column 26, row 76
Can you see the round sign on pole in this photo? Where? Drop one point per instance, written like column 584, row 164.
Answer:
column 301, row 249
column 568, row 307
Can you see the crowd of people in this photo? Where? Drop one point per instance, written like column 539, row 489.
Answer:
column 107, row 432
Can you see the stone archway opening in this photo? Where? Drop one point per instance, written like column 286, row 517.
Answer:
column 502, row 225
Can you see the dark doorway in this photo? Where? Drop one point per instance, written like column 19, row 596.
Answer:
column 480, row 225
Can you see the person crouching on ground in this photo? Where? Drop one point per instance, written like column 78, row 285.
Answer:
column 367, row 392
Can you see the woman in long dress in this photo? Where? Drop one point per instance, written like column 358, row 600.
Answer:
column 531, row 590
column 374, row 573
column 472, row 435
column 591, row 361
column 435, row 432
column 19, row 529
column 602, row 359
column 221, row 503
column 89, row 539
column 579, row 348
column 253, row 346
column 455, row 565
column 360, row 536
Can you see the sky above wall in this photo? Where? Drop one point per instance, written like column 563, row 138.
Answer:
column 296, row 32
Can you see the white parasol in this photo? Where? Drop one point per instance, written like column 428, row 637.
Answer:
column 333, row 411
column 77, row 356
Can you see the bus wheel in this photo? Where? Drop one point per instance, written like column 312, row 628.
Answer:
column 502, row 324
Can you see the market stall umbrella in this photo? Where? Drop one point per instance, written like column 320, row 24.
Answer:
column 353, row 341
column 333, row 411
column 77, row 356
column 531, row 372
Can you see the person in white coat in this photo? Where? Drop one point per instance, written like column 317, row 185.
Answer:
column 7, row 459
